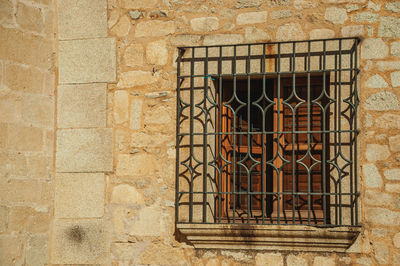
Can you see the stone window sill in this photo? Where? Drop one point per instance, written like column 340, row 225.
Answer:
column 269, row 237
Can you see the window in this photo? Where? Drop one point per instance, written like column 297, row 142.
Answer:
column 267, row 133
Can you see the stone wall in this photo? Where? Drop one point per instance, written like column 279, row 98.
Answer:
column 113, row 173
column 27, row 83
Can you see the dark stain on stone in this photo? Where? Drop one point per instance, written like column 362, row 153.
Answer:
column 76, row 234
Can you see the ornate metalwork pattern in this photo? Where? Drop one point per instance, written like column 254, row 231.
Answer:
column 267, row 133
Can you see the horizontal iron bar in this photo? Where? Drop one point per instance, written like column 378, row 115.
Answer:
column 268, row 132
column 272, row 193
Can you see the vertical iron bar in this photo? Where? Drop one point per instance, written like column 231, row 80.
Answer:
column 308, row 132
column 205, row 139
column 340, row 129
column 356, row 130
column 234, row 137
column 324, row 137
column 293, row 137
column 249, row 203
column 350, row 142
column 219, row 133
column 191, row 134
column 278, row 128
column 263, row 159
column 178, row 111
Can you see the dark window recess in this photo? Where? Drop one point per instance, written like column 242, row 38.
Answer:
column 267, row 133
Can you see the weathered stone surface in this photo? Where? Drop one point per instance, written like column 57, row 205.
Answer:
column 388, row 65
column 326, row 261
column 81, row 105
column 377, row 152
column 279, row 14
column 79, row 195
column 11, row 250
column 219, row 39
column 135, row 78
column 376, row 82
column 17, row 191
column 121, row 105
column 22, row 78
column 294, row 260
column 21, row 138
column 393, row 6
column 84, row 150
column 388, row 121
column 290, row 31
column 392, row 188
column 251, row 18
column 336, row 15
column 139, row 3
column 136, row 114
column 38, row 110
column 367, row 17
column 137, row 165
column 154, row 28
column 321, row 34
column 364, row 261
column 382, row 216
column 396, row 240
column 353, row 30
column 82, row 19
column 134, row 55
column 395, row 49
column 378, row 198
column 159, row 254
column 85, row 61
column 389, row 27
column 37, row 251
column 81, row 241
column 394, row 143
column 204, row 24
column 395, row 78
column 148, row 222
column 252, row 34
column 140, row 139
column 126, row 194
column 29, row 17
column 185, row 39
column 158, row 115
column 352, row 7
column 381, row 252
column 392, row 174
column 304, row 4
column 382, row 101
column 123, row 27
column 372, row 177
column 3, row 218
column 27, row 219
column 6, row 11
column 374, row 49
column 373, row 6
column 269, row 259
column 247, row 3
column 157, row 52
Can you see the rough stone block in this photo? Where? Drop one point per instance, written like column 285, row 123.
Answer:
column 396, row 240
column 382, row 101
column 135, row 78
column 139, row 3
column 3, row 218
column 393, row 6
column 304, row 4
column 367, row 17
column 82, row 19
column 20, row 191
column 123, row 27
column 382, row 216
column 294, row 260
column 336, row 15
column 394, row 143
column 22, row 78
column 134, row 55
column 38, row 111
column 21, row 138
column 6, row 11
column 388, row 65
column 126, row 194
column 395, row 78
column 251, row 18
column 252, row 34
column 247, row 3
column 154, row 28
column 392, row 174
column 26, row 219
column 353, row 30
column 279, row 14
column 374, row 49
column 29, row 17
column 37, row 250
column 322, row 34
column 325, row 261
column 269, row 259
column 157, row 52
column 381, row 252
column 395, row 49
column 85, row 61
column 185, row 40
column 79, row 195
column 11, row 250
column 147, row 223
column 377, row 152
column 389, row 27
column 121, row 105
column 376, row 82
column 204, row 24
column 372, row 177
column 219, row 39
column 83, row 241
column 81, row 105
column 84, row 150
column 135, row 114
column 290, row 31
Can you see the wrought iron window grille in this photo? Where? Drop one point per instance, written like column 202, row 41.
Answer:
column 267, row 133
